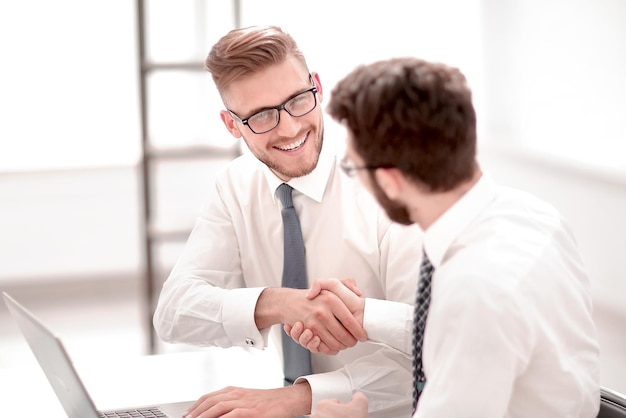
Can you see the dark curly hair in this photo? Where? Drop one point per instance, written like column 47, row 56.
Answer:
column 411, row 114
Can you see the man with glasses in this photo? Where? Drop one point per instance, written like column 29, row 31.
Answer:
column 502, row 325
column 226, row 289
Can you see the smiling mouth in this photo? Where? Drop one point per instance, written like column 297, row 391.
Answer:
column 292, row 146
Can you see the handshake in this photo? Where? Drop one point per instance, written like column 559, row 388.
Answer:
column 337, row 321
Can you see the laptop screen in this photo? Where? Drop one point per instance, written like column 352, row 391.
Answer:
column 55, row 362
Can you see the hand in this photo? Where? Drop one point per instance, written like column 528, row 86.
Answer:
column 346, row 289
column 284, row 402
column 325, row 315
column 348, row 292
column 332, row 408
column 319, row 284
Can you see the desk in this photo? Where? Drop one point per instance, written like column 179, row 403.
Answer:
column 141, row 380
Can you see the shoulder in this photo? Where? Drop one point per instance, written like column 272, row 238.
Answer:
column 239, row 183
column 240, row 173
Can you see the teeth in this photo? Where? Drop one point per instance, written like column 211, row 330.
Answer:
column 292, row 146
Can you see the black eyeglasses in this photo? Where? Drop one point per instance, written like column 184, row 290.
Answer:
column 267, row 119
column 350, row 169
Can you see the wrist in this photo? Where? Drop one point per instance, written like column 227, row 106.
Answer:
column 271, row 306
column 264, row 312
column 300, row 394
column 359, row 313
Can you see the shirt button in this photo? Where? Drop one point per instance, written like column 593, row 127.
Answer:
column 250, row 342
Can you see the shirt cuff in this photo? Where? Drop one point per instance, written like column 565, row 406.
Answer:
column 327, row 385
column 238, row 318
column 389, row 322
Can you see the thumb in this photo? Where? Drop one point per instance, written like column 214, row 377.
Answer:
column 316, row 288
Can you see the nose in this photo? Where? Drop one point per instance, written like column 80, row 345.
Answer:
column 287, row 125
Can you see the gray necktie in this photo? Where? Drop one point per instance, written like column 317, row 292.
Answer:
column 297, row 359
column 422, row 302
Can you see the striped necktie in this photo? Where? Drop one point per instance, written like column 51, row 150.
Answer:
column 422, row 302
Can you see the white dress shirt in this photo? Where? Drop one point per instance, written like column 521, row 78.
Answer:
column 509, row 330
column 236, row 250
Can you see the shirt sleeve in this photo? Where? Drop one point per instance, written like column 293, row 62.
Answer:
column 204, row 301
column 384, row 377
column 389, row 322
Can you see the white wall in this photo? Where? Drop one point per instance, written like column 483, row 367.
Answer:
column 593, row 205
column 555, row 78
column 336, row 36
column 68, row 90
column 71, row 101
column 70, row 206
column 549, row 82
column 547, row 77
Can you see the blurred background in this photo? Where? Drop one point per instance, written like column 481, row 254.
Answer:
column 110, row 133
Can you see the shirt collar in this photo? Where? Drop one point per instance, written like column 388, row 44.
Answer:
column 442, row 233
column 313, row 184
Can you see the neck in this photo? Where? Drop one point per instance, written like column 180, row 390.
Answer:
column 428, row 206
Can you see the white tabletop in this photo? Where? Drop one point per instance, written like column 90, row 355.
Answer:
column 140, row 380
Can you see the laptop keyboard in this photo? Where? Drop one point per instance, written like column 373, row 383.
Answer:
column 134, row 413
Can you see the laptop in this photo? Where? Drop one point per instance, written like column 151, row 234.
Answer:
column 59, row 369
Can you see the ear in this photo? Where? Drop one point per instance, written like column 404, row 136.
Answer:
column 230, row 124
column 318, row 84
column 390, row 181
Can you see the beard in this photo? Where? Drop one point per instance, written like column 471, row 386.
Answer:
column 397, row 212
column 287, row 172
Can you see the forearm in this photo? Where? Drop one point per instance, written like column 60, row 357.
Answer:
column 204, row 300
column 192, row 311
column 384, row 377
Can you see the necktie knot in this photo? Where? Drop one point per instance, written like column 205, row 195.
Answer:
column 284, row 194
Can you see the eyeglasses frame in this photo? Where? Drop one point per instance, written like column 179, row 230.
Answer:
column 278, row 108
column 350, row 170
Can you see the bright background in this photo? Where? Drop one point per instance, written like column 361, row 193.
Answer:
column 549, row 82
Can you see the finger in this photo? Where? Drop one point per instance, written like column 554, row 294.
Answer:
column 350, row 324
column 333, row 408
column 327, row 336
column 328, row 325
column 350, row 283
column 196, row 404
column 328, row 329
column 296, row 331
column 324, row 349
column 322, row 284
column 360, row 400
column 359, row 396
column 305, row 337
column 350, row 330
column 314, row 345
column 220, row 409
column 346, row 288
column 200, row 409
